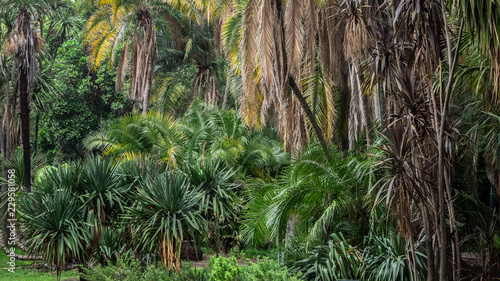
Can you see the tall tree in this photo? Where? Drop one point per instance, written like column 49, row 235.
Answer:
column 23, row 44
column 109, row 28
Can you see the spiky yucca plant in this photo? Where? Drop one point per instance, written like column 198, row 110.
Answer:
column 55, row 226
column 166, row 209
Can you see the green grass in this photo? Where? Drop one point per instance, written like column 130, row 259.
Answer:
column 31, row 275
column 24, row 271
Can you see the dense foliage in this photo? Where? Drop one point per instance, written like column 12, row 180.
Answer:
column 351, row 139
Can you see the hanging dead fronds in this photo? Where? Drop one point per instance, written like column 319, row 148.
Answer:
column 121, row 70
column 311, row 26
column 251, row 98
column 13, row 45
column 143, row 59
column 38, row 42
column 294, row 40
column 355, row 34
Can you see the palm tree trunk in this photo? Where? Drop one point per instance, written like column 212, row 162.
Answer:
column 310, row 116
column 25, row 70
column 25, row 125
column 226, row 90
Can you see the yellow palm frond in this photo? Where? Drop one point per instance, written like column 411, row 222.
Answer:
column 105, row 29
column 101, row 46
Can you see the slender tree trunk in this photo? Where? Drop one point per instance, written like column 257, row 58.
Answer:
column 377, row 103
column 457, row 256
column 310, row 116
column 25, row 125
column 443, row 273
column 25, row 69
column 428, row 245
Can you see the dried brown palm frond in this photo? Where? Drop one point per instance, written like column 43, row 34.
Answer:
column 13, row 45
column 357, row 114
column 273, row 55
column 294, row 41
column 331, row 44
column 38, row 42
column 175, row 30
column 266, row 42
column 311, row 26
column 11, row 126
column 355, row 33
column 251, row 98
column 122, row 67
column 212, row 94
column 296, row 135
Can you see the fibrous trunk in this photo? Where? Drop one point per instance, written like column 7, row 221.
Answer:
column 143, row 60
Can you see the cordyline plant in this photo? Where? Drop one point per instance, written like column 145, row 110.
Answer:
column 166, row 209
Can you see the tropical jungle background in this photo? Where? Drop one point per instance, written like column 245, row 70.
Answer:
column 251, row 139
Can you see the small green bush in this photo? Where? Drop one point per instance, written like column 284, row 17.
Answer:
column 265, row 270
column 223, row 269
column 190, row 273
column 119, row 272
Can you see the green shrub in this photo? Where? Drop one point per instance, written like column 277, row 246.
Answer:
column 265, row 270
column 132, row 271
column 219, row 269
column 190, row 273
column 223, row 269
column 156, row 273
column 119, row 272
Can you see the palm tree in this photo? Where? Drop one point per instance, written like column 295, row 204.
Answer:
column 9, row 127
column 200, row 49
column 309, row 200
column 23, row 44
column 108, row 26
column 108, row 29
column 268, row 74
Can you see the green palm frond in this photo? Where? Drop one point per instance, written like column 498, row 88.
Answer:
column 134, row 136
column 314, row 191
